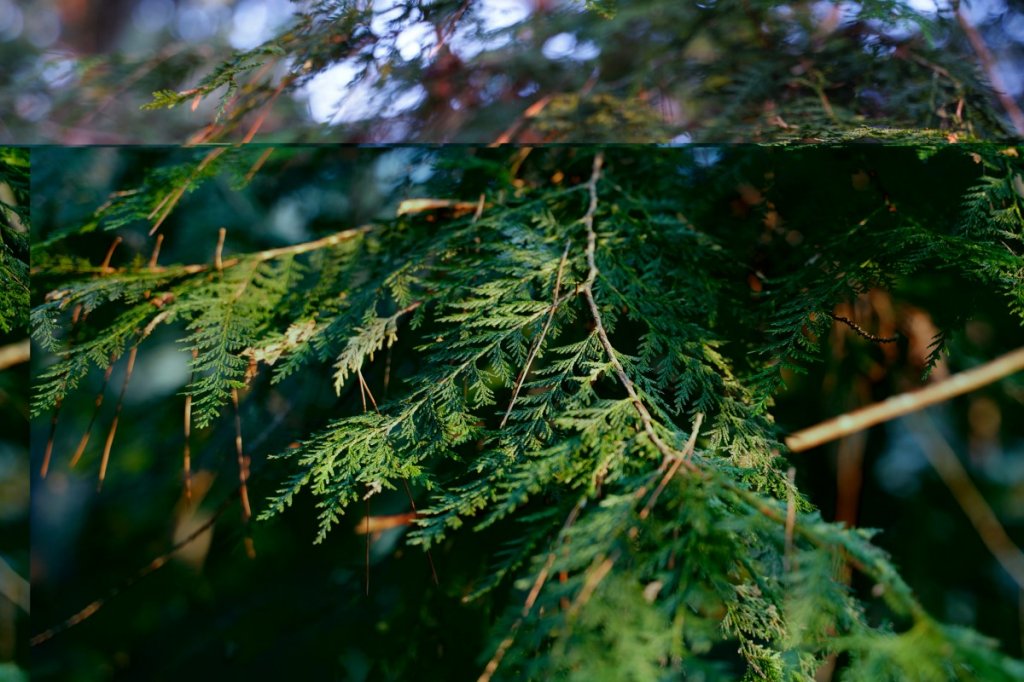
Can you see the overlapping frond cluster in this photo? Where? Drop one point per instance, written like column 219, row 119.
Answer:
column 596, row 352
column 993, row 210
column 14, row 227
column 636, row 71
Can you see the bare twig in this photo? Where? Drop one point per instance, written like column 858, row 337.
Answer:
column 171, row 199
column 117, row 415
column 218, row 254
column 531, row 597
column 531, row 112
column 156, row 252
column 860, row 331
column 367, row 533
column 187, row 464
column 970, row 499
column 540, row 338
column 243, row 476
column 259, row 164
column 110, row 254
column 988, row 63
column 480, row 206
column 15, row 354
column 382, row 522
column 98, row 403
column 790, row 518
column 158, row 562
column 265, row 109
column 143, row 334
column 268, row 254
column 905, row 403
column 445, row 33
column 364, row 387
column 674, row 468
column 95, row 605
column 395, row 520
column 602, row 567
column 48, row 452
column 415, row 514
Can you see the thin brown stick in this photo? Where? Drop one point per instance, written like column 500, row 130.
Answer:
column 117, row 415
column 218, row 254
column 445, row 33
column 540, row 339
column 80, row 450
column 905, row 403
column 77, row 317
column 362, row 394
column 265, row 109
column 364, row 391
column 270, row 254
column 531, row 598
column 531, row 112
column 860, row 331
column 594, row 577
column 156, row 563
column 187, row 464
column 367, row 533
column 167, row 204
column 297, row 249
column 382, row 522
column 970, row 499
column 988, row 63
column 105, row 265
column 364, row 386
column 480, row 206
column 243, row 461
column 48, row 453
column 259, row 164
column 414, row 515
column 790, row 518
column 156, row 252
column 15, row 354
column 243, row 477
column 676, row 463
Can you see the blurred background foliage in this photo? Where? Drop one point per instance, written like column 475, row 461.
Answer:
column 14, row 474
column 78, row 71
column 345, row 609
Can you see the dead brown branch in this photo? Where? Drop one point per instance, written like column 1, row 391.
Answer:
column 905, row 403
column 970, row 499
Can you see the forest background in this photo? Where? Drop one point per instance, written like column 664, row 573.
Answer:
column 82, row 73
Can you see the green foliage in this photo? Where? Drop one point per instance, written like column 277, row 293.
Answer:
column 514, row 413
column 14, row 226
